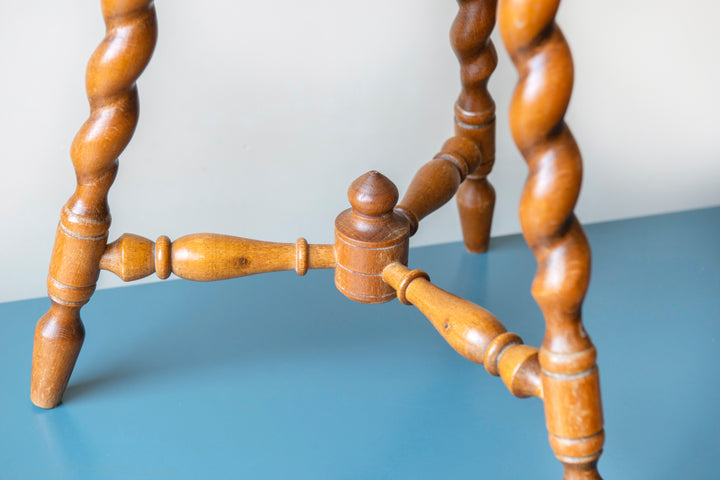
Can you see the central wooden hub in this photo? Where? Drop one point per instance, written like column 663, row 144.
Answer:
column 368, row 237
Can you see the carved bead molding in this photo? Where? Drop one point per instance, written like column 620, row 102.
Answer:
column 567, row 356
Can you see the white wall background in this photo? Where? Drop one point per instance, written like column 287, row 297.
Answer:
column 256, row 116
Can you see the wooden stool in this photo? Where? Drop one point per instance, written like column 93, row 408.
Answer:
column 370, row 252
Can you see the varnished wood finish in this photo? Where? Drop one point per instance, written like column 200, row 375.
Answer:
column 567, row 356
column 206, row 257
column 475, row 115
column 369, row 236
column 437, row 181
column 85, row 218
column 472, row 331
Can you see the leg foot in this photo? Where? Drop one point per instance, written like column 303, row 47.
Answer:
column 58, row 338
column 476, row 201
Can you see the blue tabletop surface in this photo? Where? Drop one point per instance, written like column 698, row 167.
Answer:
column 281, row 377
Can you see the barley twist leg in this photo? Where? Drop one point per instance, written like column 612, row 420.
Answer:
column 131, row 32
column 475, row 115
column 567, row 356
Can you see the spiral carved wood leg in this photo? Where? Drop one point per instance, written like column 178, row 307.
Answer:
column 131, row 32
column 570, row 379
column 475, row 116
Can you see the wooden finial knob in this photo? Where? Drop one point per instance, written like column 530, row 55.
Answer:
column 368, row 237
column 373, row 194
